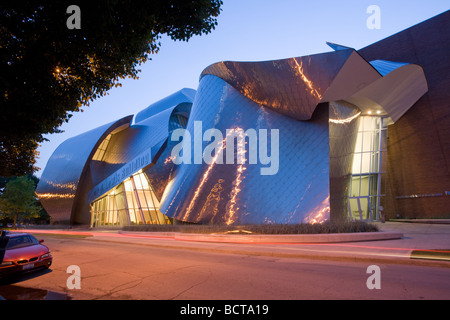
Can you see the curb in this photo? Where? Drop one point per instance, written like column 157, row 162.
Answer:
column 426, row 221
column 262, row 238
column 403, row 258
column 376, row 256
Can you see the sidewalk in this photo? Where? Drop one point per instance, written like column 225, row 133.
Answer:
column 398, row 242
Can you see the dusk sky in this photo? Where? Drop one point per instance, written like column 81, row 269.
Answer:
column 250, row 30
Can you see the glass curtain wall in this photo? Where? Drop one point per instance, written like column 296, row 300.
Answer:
column 365, row 189
column 130, row 203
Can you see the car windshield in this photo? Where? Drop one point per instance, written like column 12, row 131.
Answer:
column 21, row 241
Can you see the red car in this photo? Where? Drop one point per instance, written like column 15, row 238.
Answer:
column 24, row 253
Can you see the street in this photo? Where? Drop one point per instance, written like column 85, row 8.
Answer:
column 130, row 271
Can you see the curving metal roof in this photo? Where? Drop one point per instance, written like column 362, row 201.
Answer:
column 316, row 151
column 183, row 95
column 61, row 183
column 238, row 193
column 314, row 102
column 73, row 177
column 295, row 86
column 132, row 150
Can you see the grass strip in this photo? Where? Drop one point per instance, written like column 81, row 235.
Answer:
column 438, row 254
column 323, row 228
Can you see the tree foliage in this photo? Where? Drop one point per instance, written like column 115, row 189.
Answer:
column 48, row 71
column 19, row 200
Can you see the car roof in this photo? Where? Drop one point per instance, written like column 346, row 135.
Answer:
column 10, row 234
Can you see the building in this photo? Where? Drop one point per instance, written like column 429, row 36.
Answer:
column 336, row 135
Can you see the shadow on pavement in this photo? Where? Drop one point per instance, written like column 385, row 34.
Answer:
column 10, row 291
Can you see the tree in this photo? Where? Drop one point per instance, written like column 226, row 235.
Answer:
column 48, row 70
column 19, row 200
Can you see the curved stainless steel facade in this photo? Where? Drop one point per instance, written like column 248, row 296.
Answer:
column 300, row 116
column 77, row 173
column 238, row 193
column 62, row 183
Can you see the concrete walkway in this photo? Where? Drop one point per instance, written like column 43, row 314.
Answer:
column 397, row 242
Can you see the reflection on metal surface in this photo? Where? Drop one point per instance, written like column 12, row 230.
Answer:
column 232, row 205
column 291, row 86
column 346, row 120
column 427, row 195
column 343, row 135
column 184, row 95
column 319, row 214
column 205, row 178
column 238, row 193
column 309, row 84
column 85, row 161
column 315, row 103
column 62, row 181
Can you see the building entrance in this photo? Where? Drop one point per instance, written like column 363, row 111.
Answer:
column 366, row 189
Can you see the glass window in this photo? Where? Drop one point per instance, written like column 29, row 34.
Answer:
column 367, row 138
column 364, row 191
column 354, row 209
column 21, row 242
column 132, row 202
column 100, row 152
column 356, row 163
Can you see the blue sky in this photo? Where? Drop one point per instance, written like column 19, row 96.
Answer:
column 248, row 30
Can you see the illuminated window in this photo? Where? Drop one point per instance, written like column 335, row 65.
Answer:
column 132, row 202
column 101, row 150
column 365, row 189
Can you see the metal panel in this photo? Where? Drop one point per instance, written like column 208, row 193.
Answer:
column 238, row 193
column 59, row 183
column 395, row 93
column 163, row 170
column 71, row 173
column 291, row 86
column 385, row 67
column 295, row 86
column 289, row 96
column 344, row 123
column 128, row 146
column 184, row 95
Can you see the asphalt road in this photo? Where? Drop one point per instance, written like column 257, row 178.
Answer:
column 121, row 271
